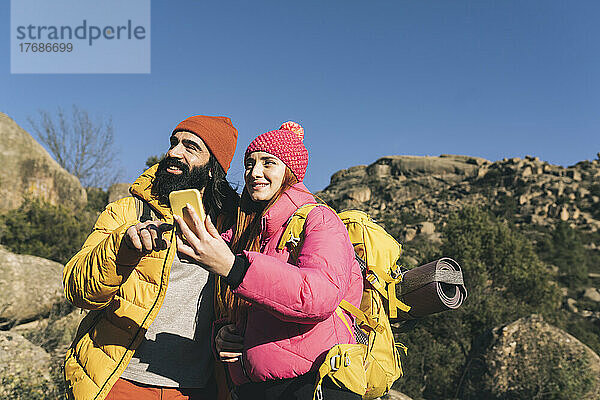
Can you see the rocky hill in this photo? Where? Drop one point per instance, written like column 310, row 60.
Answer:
column 29, row 171
column 428, row 188
column 413, row 195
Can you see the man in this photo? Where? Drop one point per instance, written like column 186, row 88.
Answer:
column 148, row 332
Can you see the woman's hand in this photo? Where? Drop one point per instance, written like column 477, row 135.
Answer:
column 229, row 344
column 202, row 244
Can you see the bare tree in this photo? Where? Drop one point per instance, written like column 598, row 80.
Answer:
column 82, row 146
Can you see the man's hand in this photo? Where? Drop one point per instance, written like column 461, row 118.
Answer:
column 202, row 244
column 229, row 344
column 146, row 237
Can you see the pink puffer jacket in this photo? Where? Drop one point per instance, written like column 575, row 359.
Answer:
column 292, row 322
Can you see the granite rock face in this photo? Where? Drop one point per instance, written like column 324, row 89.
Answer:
column 529, row 358
column 24, row 368
column 429, row 188
column 29, row 287
column 395, row 395
column 29, row 171
column 118, row 191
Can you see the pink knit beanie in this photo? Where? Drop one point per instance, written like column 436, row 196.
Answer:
column 285, row 144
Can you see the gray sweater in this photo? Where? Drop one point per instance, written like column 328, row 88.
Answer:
column 176, row 351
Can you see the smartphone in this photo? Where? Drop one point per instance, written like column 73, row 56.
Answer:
column 178, row 200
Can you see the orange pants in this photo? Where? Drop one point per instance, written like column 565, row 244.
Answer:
column 128, row 390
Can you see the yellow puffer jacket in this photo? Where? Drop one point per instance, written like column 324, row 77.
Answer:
column 123, row 291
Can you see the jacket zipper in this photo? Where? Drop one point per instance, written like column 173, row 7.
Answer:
column 262, row 241
column 147, row 315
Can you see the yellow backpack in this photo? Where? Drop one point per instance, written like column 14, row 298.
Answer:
column 373, row 365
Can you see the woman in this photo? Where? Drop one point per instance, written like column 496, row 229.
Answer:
column 282, row 307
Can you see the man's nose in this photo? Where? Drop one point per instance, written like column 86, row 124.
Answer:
column 176, row 151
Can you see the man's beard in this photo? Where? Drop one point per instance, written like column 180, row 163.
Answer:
column 166, row 182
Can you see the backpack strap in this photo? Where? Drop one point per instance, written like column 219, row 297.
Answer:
column 295, row 226
column 344, row 365
column 142, row 210
column 361, row 316
column 293, row 236
column 340, row 313
column 389, row 294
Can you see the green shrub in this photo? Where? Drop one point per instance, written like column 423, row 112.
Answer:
column 15, row 388
column 582, row 328
column 97, row 199
column 505, row 280
column 564, row 248
column 506, row 208
column 45, row 230
column 150, row 161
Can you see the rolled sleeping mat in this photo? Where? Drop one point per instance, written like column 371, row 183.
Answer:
column 432, row 288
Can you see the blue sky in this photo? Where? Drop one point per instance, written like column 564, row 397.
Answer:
column 492, row 79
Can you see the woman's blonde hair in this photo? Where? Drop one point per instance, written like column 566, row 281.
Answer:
column 246, row 236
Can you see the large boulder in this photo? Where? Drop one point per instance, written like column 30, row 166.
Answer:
column 425, row 165
column 530, row 358
column 54, row 334
column 592, row 294
column 395, row 395
column 24, row 369
column 29, row 287
column 29, row 171
column 399, row 178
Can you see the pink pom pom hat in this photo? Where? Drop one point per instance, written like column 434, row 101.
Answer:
column 285, row 144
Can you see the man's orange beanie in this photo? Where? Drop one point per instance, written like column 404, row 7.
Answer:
column 218, row 134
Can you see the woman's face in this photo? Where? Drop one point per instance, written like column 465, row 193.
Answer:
column 264, row 175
